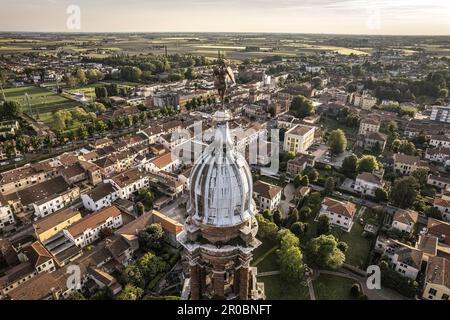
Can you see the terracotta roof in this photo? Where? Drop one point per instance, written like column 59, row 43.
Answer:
column 370, row 177
column 168, row 224
column 15, row 273
column 136, row 225
column 93, row 220
column 428, row 244
column 128, row 177
column 439, row 229
column 101, row 190
column 407, row 254
column 441, row 202
column 406, row 216
column 54, row 219
column 37, row 254
column 164, row 160
column 43, row 190
column 372, row 121
column 438, row 271
column 266, row 190
column 403, row 158
column 344, row 208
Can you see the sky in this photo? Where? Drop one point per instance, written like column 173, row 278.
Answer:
column 383, row 17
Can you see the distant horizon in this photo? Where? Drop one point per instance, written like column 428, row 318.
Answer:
column 334, row 17
column 223, row 32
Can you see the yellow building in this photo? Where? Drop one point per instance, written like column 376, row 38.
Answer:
column 299, row 139
column 54, row 223
column 437, row 279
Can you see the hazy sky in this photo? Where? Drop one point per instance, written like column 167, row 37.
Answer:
column 298, row 16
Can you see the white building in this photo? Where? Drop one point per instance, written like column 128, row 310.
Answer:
column 441, row 114
column 443, row 205
column 368, row 125
column 6, row 216
column 267, row 196
column 299, row 139
column 340, row 213
column 440, row 141
column 167, row 162
column 55, row 202
column 87, row 230
column 128, row 182
column 103, row 195
column 367, row 183
column 405, row 220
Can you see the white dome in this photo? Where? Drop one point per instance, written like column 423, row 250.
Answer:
column 221, row 182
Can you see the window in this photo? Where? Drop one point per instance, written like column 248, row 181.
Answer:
column 432, row 291
column 444, row 296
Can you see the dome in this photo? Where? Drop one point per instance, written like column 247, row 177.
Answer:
column 221, row 182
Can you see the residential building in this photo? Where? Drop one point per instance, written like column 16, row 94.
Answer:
column 87, row 230
column 405, row 164
column 440, row 141
column 167, row 162
column 267, row 196
column 440, row 114
column 437, row 279
column 442, row 203
column 404, row 220
column 440, row 182
column 299, row 139
column 372, row 140
column 103, row 195
column 6, row 216
column 340, row 213
column 367, row 125
column 367, row 183
column 128, row 182
column 297, row 165
column 55, row 223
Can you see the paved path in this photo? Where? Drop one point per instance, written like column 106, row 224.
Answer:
column 312, row 294
column 268, row 273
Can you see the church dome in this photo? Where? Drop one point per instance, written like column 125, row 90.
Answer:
column 221, row 181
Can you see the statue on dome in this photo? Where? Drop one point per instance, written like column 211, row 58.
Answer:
column 222, row 73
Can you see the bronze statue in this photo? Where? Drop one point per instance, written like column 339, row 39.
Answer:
column 221, row 73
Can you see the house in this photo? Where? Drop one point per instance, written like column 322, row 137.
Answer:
column 405, row 164
column 439, row 229
column 87, row 230
column 48, row 197
column 103, row 195
column 440, row 155
column 6, row 216
column 128, row 182
column 440, row 182
column 437, row 279
column 167, row 162
column 26, row 176
column 404, row 259
column 370, row 124
column 299, row 139
column 297, row 165
column 439, row 141
column 440, row 114
column 367, row 183
column 372, row 140
column 15, row 276
column 170, row 226
column 55, row 223
column 267, row 196
column 443, row 205
column 340, row 213
column 39, row 257
column 404, row 220
column 103, row 142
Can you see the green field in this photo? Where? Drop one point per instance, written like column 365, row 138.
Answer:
column 328, row 287
column 43, row 102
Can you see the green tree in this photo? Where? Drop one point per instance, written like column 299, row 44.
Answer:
column 9, row 110
column 152, row 237
column 304, row 181
column 133, row 275
column 323, row 225
column 302, row 106
column 298, row 228
column 266, row 228
column 405, row 191
column 130, row 292
column 313, row 174
column 324, row 250
column 290, row 256
column 367, row 163
column 349, row 165
column 381, row 195
column 298, row 181
column 337, row 141
column 278, row 218
column 329, row 186
column 81, row 77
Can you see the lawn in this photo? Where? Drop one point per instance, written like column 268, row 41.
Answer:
column 43, row 102
column 358, row 246
column 332, row 124
column 278, row 289
column 269, row 263
column 328, row 287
